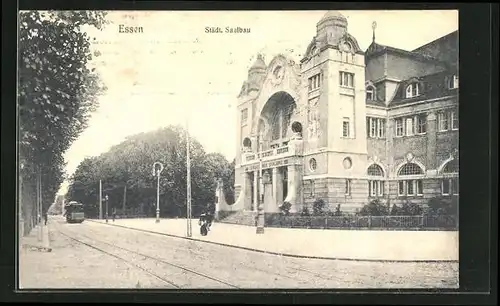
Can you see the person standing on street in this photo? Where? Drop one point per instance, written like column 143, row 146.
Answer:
column 45, row 217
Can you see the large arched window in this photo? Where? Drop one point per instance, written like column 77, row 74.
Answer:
column 451, row 166
column 449, row 185
column 375, row 170
column 411, row 187
column 375, row 184
column 410, row 169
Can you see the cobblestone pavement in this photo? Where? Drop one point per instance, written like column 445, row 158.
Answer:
column 157, row 261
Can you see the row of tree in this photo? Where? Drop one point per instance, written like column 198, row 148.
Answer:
column 57, row 92
column 126, row 172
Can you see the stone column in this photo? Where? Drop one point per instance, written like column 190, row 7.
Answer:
column 277, row 190
column 431, row 140
column 294, row 196
column 389, row 138
column 255, row 190
column 247, row 191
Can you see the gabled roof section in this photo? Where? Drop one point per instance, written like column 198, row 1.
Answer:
column 377, row 49
column 444, row 48
column 432, row 86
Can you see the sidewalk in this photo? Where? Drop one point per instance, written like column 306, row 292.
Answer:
column 37, row 239
column 362, row 245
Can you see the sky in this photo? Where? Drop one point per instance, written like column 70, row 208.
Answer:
column 174, row 72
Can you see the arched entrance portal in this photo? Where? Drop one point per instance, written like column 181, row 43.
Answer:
column 275, row 120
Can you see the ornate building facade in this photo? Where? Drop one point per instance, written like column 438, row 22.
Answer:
column 348, row 126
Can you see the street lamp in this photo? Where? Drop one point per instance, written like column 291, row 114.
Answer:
column 260, row 198
column 106, row 198
column 157, row 169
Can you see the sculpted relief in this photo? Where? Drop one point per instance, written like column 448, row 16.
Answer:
column 313, row 120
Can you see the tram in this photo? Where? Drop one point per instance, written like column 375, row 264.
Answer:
column 74, row 212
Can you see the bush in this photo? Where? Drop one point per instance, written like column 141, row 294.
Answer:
column 443, row 205
column 319, row 207
column 411, row 209
column 305, row 212
column 285, row 208
column 337, row 212
column 396, row 210
column 374, row 208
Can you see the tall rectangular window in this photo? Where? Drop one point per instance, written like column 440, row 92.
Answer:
column 443, row 121
column 373, row 127
column 454, row 120
column 421, row 124
column 419, row 186
column 399, row 127
column 401, row 188
column 454, row 186
column 381, row 128
column 445, row 187
column 346, row 79
column 348, row 187
column 410, row 188
column 410, row 127
column 376, row 188
column 345, row 128
column 315, row 81
column 244, row 116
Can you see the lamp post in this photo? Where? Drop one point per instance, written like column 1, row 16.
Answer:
column 260, row 200
column 188, row 189
column 157, row 169
column 106, row 198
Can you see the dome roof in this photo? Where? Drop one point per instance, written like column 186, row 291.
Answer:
column 333, row 15
column 259, row 63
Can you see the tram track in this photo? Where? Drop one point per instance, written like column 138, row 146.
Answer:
column 110, row 249
column 270, row 270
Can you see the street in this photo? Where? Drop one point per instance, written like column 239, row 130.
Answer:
column 94, row 255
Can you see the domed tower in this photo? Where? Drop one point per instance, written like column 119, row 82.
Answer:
column 331, row 28
column 334, row 69
column 257, row 72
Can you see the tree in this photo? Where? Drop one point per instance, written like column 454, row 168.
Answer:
column 57, row 92
column 130, row 164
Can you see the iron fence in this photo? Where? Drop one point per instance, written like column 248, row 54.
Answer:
column 429, row 222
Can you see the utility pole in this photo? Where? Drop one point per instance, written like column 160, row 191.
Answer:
column 106, row 199
column 39, row 203
column 124, row 199
column 188, row 170
column 100, row 200
column 260, row 200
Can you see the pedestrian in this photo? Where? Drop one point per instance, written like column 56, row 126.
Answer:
column 203, row 224
column 114, row 214
column 45, row 217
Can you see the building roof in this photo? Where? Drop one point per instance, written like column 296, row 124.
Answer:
column 333, row 15
column 444, row 48
column 431, row 86
column 376, row 49
column 259, row 63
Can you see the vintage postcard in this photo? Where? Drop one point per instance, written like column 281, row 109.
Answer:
column 238, row 149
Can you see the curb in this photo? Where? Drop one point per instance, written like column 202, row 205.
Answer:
column 282, row 254
column 36, row 247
